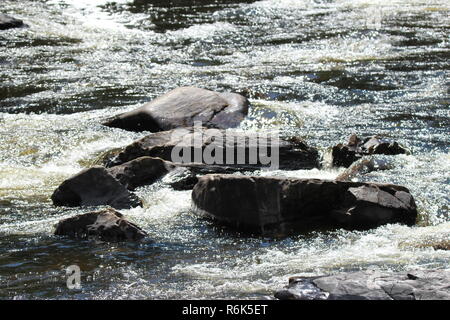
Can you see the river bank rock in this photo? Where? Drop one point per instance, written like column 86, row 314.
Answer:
column 345, row 154
column 283, row 206
column 92, row 187
column 370, row 285
column 225, row 147
column 181, row 107
column 106, row 225
column 8, row 22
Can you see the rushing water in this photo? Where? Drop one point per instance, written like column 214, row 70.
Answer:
column 319, row 69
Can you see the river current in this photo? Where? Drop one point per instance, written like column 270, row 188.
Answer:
column 322, row 70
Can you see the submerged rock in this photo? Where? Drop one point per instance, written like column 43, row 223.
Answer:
column 370, row 285
column 181, row 107
column 8, row 22
column 92, row 187
column 181, row 179
column 105, row 157
column 224, row 147
column 107, row 225
column 355, row 149
column 283, row 206
column 362, row 167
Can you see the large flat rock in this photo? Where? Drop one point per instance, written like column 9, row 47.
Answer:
column 370, row 285
column 229, row 146
column 183, row 106
column 283, row 206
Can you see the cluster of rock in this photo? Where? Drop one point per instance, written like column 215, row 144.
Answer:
column 362, row 167
column 269, row 206
column 345, row 154
column 370, row 285
column 150, row 158
column 261, row 205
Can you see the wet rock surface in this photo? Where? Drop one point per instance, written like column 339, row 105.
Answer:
column 106, row 225
column 110, row 186
column 345, row 154
column 294, row 153
column 140, row 172
column 370, row 285
column 181, row 107
column 181, row 179
column 94, row 186
column 8, row 22
column 282, row 206
column 362, row 167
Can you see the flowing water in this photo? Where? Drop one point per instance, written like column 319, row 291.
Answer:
column 319, row 69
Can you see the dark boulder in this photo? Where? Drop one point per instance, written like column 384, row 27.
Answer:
column 345, row 154
column 92, row 187
column 7, row 22
column 181, row 107
column 294, row 153
column 141, row 171
column 106, row 225
column 282, row 206
column 370, row 285
column 109, row 186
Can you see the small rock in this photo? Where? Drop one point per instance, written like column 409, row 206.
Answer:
column 104, row 158
column 181, row 179
column 8, row 22
column 301, row 289
column 107, row 225
column 355, row 149
column 362, row 167
column 370, row 285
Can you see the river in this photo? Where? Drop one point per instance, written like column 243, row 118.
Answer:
column 321, row 69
